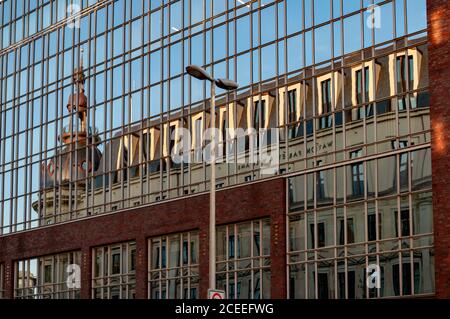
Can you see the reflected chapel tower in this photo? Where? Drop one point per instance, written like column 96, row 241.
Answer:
column 65, row 177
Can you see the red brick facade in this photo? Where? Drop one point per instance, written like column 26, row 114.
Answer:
column 255, row 201
column 439, row 70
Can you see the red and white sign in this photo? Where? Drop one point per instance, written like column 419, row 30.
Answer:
column 216, row 294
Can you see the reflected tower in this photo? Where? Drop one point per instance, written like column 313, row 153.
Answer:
column 65, row 177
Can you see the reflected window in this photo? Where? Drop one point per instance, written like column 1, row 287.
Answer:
column 293, row 116
column 371, row 227
column 321, row 235
column 45, row 277
column 357, row 171
column 362, row 93
column 326, row 121
column 173, row 269
column 116, row 276
column 405, row 78
column 243, row 260
column 198, row 140
column 406, row 278
column 259, row 120
column 404, row 223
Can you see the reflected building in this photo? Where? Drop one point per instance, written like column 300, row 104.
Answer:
column 97, row 169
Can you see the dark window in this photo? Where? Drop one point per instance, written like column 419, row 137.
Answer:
column 357, row 175
column 224, row 134
column 321, row 232
column 193, row 293
column 326, row 120
column 320, row 183
column 405, row 73
column 256, row 238
column 371, row 227
column 326, row 96
column 362, row 96
column 185, row 252
column 350, row 284
column 405, row 78
column 115, row 263
column 406, row 278
column 171, row 141
column 163, row 256
column 404, row 223
column 133, row 260
column 293, row 116
column 257, row 290
column 47, row 274
column 350, row 231
column 259, row 120
column 322, row 281
column 230, row 246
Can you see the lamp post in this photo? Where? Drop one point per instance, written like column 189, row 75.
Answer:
column 229, row 85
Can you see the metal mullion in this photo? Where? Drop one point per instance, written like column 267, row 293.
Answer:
column 141, row 166
column 252, row 259
column 150, row 269
column 189, row 270
column 162, row 134
column 108, row 277
column 28, row 272
column 261, row 259
column 119, row 170
column 236, row 244
column 126, row 200
column 89, row 173
column 148, row 160
column 57, row 188
column 124, row 273
column 28, row 166
column 2, row 147
column 167, row 269
column 160, row 281
column 180, row 269
column 14, row 150
column 227, row 257
column 336, row 272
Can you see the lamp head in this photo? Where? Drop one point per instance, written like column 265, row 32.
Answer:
column 226, row 84
column 198, row 73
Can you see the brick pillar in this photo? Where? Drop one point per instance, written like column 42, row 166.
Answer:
column 141, row 268
column 278, row 248
column 204, row 261
column 86, row 273
column 439, row 70
column 9, row 279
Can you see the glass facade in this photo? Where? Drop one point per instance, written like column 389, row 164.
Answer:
column 243, row 260
column 94, row 98
column 174, row 266
column 48, row 277
column 356, row 217
column 114, row 271
column 124, row 60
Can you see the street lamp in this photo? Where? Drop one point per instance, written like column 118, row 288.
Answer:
column 228, row 85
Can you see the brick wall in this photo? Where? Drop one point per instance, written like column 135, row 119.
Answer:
column 255, row 201
column 439, row 69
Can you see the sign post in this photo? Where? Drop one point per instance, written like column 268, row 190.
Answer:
column 216, row 294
